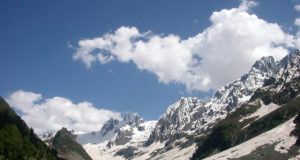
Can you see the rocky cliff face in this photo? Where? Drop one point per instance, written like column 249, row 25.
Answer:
column 273, row 104
column 193, row 116
column 284, row 85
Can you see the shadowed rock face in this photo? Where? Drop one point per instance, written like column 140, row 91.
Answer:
column 266, row 64
column 109, row 125
column 64, row 142
column 133, row 119
column 127, row 152
column 123, row 137
column 289, row 58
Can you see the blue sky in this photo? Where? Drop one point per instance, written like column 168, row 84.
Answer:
column 40, row 39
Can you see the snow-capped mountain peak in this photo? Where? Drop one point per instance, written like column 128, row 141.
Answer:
column 290, row 57
column 109, row 126
column 191, row 115
column 266, row 64
column 133, row 119
column 48, row 137
column 110, row 129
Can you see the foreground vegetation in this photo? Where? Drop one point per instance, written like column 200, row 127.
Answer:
column 17, row 141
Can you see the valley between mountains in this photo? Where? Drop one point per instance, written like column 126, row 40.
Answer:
column 254, row 117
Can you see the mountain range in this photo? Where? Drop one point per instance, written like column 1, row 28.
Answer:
column 253, row 117
column 175, row 135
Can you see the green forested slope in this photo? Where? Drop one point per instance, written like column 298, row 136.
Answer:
column 17, row 141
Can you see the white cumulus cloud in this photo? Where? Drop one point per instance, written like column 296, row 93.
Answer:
column 57, row 112
column 220, row 54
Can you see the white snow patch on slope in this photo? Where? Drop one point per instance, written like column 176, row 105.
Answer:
column 262, row 111
column 148, row 150
column 174, row 153
column 279, row 134
column 177, row 154
column 100, row 151
column 141, row 136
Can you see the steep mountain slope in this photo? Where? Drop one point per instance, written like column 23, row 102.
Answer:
column 67, row 147
column 17, row 141
column 191, row 117
column 274, row 144
column 248, row 121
